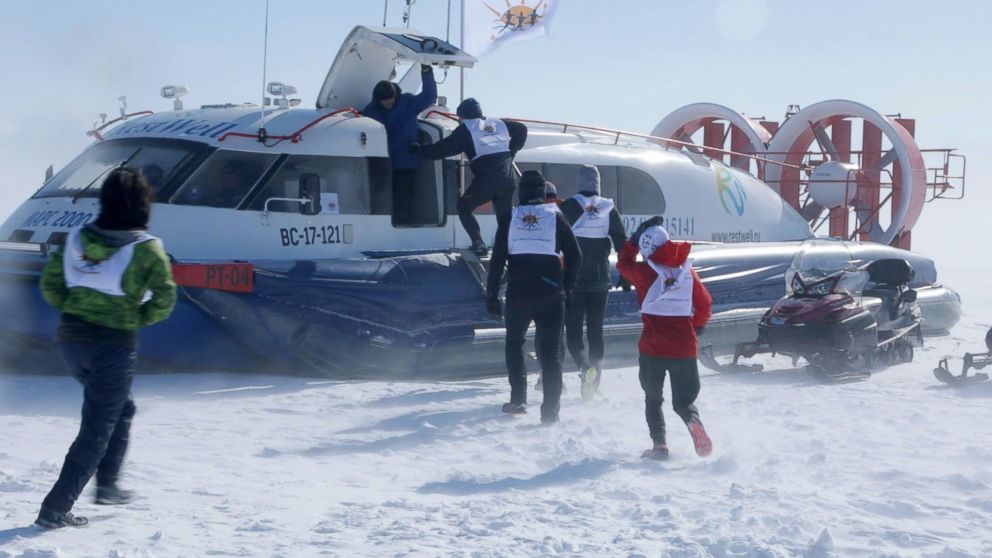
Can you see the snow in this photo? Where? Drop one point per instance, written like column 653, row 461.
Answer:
column 898, row 465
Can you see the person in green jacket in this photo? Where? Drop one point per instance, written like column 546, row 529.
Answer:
column 109, row 279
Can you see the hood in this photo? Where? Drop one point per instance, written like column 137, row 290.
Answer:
column 99, row 244
column 532, row 188
column 469, row 108
column 672, row 254
column 587, row 180
column 386, row 90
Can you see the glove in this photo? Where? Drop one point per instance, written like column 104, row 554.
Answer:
column 494, row 306
column 645, row 225
column 425, row 68
column 568, row 297
column 414, row 148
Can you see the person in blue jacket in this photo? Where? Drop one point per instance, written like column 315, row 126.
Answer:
column 398, row 111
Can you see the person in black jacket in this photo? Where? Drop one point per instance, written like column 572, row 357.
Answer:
column 597, row 224
column 539, row 284
column 490, row 144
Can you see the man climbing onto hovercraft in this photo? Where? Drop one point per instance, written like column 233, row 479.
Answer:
column 490, row 144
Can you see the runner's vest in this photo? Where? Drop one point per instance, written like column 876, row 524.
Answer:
column 676, row 298
column 489, row 135
column 595, row 219
column 533, row 228
column 104, row 276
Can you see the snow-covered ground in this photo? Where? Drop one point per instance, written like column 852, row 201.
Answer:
column 898, row 465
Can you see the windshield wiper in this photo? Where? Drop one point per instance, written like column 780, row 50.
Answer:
column 104, row 172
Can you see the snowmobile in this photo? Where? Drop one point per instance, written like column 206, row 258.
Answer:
column 829, row 318
column 971, row 360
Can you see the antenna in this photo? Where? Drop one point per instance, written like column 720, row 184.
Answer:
column 262, row 133
column 385, row 11
column 407, row 12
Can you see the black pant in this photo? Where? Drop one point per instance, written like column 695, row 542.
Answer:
column 685, row 388
column 106, row 372
column 404, row 189
column 547, row 314
column 477, row 195
column 588, row 308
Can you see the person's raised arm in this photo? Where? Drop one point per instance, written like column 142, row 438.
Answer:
column 428, row 91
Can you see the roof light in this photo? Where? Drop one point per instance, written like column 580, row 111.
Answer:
column 175, row 92
column 280, row 89
column 277, row 89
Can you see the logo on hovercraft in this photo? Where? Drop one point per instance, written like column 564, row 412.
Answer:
column 732, row 193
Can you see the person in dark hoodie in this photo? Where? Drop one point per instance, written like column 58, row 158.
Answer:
column 598, row 227
column 538, row 286
column 675, row 306
column 490, row 144
column 109, row 279
column 398, row 111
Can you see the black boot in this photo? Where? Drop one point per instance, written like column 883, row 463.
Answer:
column 112, row 495
column 53, row 520
column 479, row 248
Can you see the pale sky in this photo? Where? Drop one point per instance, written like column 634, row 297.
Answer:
column 619, row 63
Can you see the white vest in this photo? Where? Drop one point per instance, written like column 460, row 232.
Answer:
column 104, row 276
column 595, row 219
column 533, row 228
column 676, row 298
column 489, row 136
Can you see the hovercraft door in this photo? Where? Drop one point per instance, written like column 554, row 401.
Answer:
column 423, row 207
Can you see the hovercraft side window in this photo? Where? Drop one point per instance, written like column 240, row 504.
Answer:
column 163, row 162
column 344, row 186
column 640, row 194
column 224, row 179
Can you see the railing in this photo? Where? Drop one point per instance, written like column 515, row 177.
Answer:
column 96, row 132
column 296, row 136
column 667, row 143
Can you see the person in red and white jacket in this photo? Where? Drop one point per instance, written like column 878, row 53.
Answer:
column 675, row 306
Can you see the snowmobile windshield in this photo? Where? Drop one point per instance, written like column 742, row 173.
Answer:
column 850, row 282
column 819, row 259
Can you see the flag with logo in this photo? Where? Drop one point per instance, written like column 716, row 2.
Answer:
column 486, row 24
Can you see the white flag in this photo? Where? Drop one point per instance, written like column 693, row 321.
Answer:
column 486, row 24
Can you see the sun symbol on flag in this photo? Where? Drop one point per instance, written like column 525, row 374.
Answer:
column 517, row 17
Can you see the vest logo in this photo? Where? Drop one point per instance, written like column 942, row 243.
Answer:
column 489, row 128
column 732, row 193
column 592, row 211
column 530, row 221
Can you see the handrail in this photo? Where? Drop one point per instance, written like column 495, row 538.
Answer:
column 296, row 136
column 565, row 126
column 96, row 132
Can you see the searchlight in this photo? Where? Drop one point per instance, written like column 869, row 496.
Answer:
column 283, row 90
column 176, row 93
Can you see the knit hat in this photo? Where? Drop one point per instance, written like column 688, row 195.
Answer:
column 532, row 187
column 383, row 90
column 125, row 200
column 469, row 108
column 587, row 179
column 550, row 191
column 651, row 239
